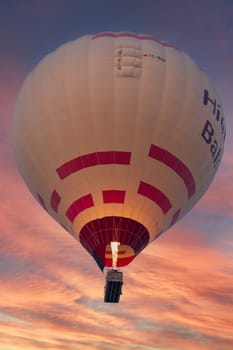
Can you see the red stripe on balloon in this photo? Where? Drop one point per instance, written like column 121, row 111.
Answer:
column 131, row 35
column 120, row 261
column 155, row 195
column 175, row 164
column 78, row 206
column 113, row 196
column 93, row 159
column 55, row 200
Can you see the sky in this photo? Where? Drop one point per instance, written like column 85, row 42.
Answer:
column 178, row 293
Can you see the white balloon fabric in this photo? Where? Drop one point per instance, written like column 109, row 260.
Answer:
column 118, row 135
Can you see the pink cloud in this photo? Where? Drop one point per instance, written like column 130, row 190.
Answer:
column 173, row 294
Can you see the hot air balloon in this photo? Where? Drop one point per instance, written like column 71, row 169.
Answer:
column 117, row 136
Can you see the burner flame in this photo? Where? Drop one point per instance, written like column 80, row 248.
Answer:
column 114, row 248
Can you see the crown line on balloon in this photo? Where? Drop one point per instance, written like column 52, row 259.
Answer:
column 132, row 35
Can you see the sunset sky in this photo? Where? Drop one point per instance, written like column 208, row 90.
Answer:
column 178, row 294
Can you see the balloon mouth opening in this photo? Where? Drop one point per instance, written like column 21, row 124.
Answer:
column 114, row 252
column 114, row 241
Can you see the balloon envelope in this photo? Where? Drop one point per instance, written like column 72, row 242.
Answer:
column 118, row 135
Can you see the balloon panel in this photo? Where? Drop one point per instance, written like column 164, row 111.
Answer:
column 118, row 125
